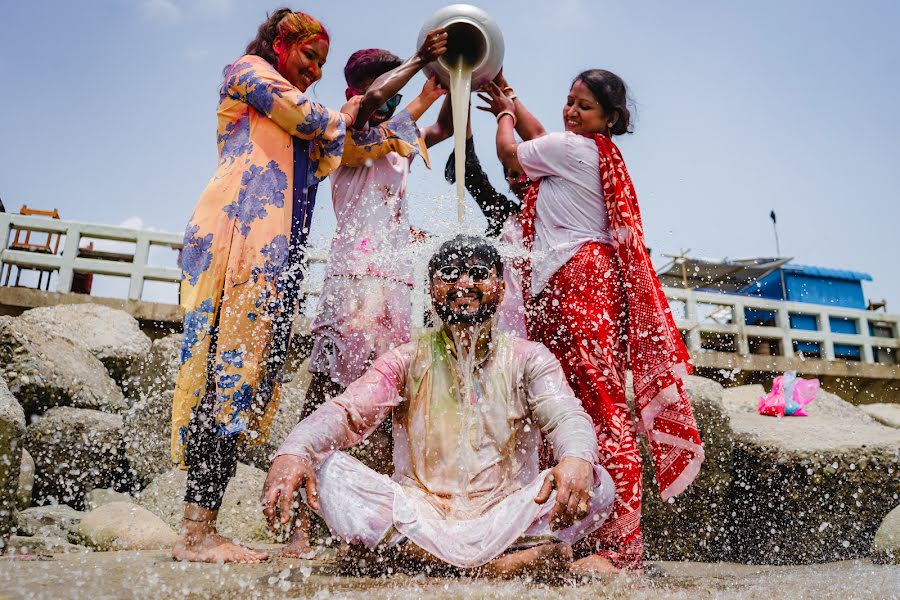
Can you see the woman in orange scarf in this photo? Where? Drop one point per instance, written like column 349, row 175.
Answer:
column 595, row 301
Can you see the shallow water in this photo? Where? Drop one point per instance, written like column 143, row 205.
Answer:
column 153, row 574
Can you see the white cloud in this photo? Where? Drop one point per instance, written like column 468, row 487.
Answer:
column 160, row 11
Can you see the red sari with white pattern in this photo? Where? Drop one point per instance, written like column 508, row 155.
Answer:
column 605, row 312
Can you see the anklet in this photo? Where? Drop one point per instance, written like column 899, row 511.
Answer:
column 207, row 521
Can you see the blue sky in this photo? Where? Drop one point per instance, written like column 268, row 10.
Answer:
column 741, row 108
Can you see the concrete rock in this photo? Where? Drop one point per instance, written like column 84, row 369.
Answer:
column 19, row 544
column 886, row 414
column 52, row 521
column 44, row 370
column 26, row 480
column 111, row 335
column 12, row 427
column 240, row 517
column 125, row 526
column 75, row 450
column 102, row 496
column 690, row 527
column 151, row 380
column 807, row 489
column 886, row 545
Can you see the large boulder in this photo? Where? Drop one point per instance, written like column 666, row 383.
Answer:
column 12, row 427
column 148, row 423
column 886, row 545
column 807, row 489
column 102, row 496
column 75, row 450
column 690, row 526
column 125, row 526
column 112, row 335
column 240, row 517
column 56, row 521
column 44, row 370
column 26, row 480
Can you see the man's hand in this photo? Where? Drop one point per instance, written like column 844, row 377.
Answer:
column 573, row 479
column 434, row 46
column 285, row 477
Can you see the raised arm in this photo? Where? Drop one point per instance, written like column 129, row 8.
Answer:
column 254, row 81
column 441, row 129
column 390, row 83
column 504, row 108
column 527, row 125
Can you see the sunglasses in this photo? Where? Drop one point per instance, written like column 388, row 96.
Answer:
column 476, row 273
column 392, row 103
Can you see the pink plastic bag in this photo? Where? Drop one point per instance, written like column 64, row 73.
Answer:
column 799, row 393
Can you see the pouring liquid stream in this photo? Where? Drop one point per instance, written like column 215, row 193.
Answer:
column 460, row 94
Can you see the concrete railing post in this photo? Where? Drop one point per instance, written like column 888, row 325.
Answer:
column 69, row 254
column 139, row 266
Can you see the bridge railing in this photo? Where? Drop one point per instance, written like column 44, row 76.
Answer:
column 709, row 321
column 719, row 322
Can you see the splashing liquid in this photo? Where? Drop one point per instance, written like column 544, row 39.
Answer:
column 460, row 94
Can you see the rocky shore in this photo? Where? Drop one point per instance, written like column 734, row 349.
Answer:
column 85, row 404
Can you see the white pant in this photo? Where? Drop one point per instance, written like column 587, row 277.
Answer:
column 363, row 507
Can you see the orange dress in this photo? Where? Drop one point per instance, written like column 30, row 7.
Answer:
column 243, row 248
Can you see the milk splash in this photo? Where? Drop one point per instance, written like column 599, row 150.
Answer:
column 460, row 94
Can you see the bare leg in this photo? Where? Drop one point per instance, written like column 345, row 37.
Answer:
column 321, row 389
column 543, row 560
column 200, row 542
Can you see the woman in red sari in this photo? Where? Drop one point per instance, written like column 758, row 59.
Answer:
column 596, row 302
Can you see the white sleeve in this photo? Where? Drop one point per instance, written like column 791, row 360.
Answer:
column 555, row 408
column 546, row 156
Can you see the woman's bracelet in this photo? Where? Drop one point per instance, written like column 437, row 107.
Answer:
column 510, row 113
column 509, row 93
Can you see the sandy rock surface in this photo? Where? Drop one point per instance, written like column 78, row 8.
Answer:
column 240, row 516
column 807, row 489
column 12, row 427
column 125, row 526
column 75, row 450
column 41, row 545
column 44, row 370
column 111, row 335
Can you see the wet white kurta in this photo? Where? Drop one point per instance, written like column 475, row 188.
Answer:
column 466, row 456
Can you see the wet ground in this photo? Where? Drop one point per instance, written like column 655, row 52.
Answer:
column 153, row 574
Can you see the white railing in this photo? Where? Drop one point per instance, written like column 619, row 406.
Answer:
column 704, row 317
column 75, row 258
column 708, row 317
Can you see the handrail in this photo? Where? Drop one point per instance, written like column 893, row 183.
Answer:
column 694, row 327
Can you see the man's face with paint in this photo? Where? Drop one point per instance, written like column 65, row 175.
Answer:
column 384, row 112
column 466, row 291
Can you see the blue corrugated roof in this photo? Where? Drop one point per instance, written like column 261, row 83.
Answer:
column 827, row 272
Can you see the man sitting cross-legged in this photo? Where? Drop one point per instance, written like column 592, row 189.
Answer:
column 469, row 405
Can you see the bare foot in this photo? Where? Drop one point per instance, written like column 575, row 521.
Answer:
column 210, row 547
column 596, row 566
column 298, row 545
column 547, row 559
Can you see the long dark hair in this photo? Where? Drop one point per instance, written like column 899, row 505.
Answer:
column 292, row 26
column 611, row 93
